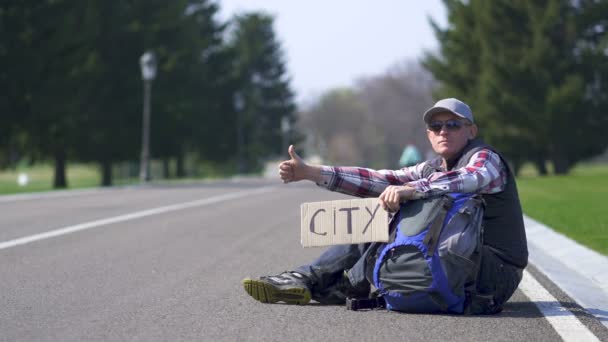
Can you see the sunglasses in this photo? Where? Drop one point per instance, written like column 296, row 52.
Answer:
column 450, row 125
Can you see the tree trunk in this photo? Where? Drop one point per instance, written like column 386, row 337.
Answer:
column 60, row 180
column 166, row 171
column 106, row 173
column 541, row 166
column 181, row 170
column 561, row 165
column 516, row 167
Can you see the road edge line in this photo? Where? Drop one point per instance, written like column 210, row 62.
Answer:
column 563, row 321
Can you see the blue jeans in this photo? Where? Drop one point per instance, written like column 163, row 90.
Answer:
column 327, row 269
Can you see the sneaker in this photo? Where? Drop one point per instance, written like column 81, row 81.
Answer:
column 287, row 287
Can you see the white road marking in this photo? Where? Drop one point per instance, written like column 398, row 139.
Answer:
column 127, row 217
column 563, row 321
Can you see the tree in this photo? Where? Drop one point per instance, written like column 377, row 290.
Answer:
column 112, row 119
column 263, row 89
column 73, row 89
column 202, row 104
column 122, row 31
column 44, row 55
column 530, row 89
column 14, row 102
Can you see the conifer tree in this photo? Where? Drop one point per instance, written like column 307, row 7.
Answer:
column 523, row 66
column 263, row 86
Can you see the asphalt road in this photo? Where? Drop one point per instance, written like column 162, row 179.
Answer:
column 175, row 275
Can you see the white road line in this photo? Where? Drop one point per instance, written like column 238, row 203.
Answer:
column 563, row 321
column 127, row 217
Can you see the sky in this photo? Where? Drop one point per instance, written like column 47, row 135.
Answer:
column 331, row 43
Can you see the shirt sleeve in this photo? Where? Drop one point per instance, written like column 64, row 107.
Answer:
column 363, row 182
column 484, row 173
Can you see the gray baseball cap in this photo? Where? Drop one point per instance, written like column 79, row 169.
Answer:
column 451, row 105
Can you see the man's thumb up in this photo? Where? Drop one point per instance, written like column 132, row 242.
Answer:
column 294, row 156
column 294, row 169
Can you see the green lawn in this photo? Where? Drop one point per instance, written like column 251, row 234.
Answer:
column 40, row 178
column 575, row 205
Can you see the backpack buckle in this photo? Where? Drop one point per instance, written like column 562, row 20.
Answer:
column 356, row 304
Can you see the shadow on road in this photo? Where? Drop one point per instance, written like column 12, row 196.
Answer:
column 530, row 310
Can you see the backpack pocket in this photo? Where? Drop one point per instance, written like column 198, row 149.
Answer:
column 417, row 215
column 461, row 234
column 405, row 270
column 458, row 271
column 459, row 242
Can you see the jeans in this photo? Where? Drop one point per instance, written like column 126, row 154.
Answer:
column 328, row 268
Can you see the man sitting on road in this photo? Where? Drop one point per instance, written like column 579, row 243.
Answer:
column 464, row 164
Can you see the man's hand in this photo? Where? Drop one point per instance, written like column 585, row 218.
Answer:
column 390, row 199
column 295, row 169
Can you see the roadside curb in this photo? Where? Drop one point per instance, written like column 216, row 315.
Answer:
column 581, row 272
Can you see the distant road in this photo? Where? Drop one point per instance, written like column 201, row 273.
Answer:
column 164, row 263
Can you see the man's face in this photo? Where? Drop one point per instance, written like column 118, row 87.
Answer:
column 449, row 141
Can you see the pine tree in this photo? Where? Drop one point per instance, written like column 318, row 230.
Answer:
column 263, row 88
column 190, row 83
column 44, row 56
column 521, row 66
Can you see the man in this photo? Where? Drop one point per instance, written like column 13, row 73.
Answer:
column 464, row 164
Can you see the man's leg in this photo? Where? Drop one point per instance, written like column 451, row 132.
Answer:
column 338, row 273
column 330, row 266
column 496, row 283
column 324, row 279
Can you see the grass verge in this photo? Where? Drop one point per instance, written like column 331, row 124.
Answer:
column 575, row 204
column 40, row 178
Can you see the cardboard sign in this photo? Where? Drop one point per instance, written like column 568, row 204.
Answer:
column 343, row 222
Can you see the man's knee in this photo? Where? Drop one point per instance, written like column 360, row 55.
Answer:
column 496, row 283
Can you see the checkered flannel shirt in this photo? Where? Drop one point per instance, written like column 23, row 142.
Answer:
column 484, row 173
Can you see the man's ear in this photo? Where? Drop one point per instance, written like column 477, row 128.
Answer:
column 473, row 131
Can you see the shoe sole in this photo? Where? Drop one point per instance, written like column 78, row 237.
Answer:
column 268, row 293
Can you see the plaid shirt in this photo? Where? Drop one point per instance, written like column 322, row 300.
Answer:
column 485, row 173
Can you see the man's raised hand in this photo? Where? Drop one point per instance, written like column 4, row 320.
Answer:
column 294, row 169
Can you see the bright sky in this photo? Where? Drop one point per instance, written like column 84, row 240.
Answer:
column 331, row 43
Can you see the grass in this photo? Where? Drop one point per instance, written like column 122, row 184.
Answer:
column 575, row 204
column 40, row 178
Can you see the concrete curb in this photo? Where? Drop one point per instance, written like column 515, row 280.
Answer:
column 581, row 272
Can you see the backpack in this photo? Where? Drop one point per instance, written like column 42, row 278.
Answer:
column 431, row 265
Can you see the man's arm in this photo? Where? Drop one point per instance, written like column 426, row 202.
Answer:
column 355, row 181
column 363, row 182
column 484, row 173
